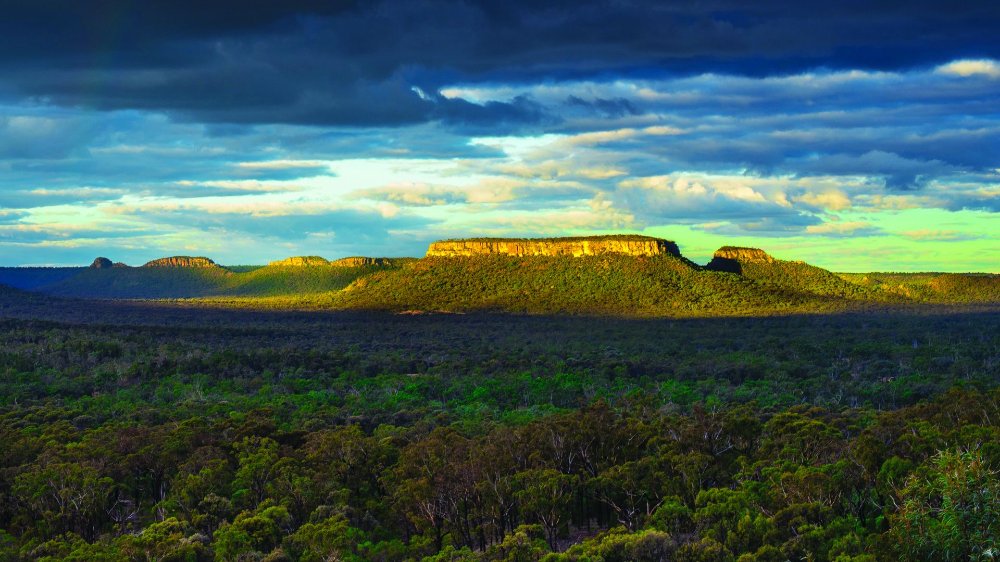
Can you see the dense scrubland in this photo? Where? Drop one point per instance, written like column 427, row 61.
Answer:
column 234, row 435
column 645, row 409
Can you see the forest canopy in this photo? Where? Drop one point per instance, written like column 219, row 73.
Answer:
column 226, row 435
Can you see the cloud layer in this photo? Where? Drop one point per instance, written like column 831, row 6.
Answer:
column 339, row 127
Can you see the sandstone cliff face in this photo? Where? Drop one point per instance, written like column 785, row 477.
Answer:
column 182, row 261
column 729, row 258
column 306, row 261
column 301, row 261
column 576, row 247
column 746, row 255
column 356, row 261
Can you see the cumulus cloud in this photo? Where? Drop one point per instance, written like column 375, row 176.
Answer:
column 925, row 235
column 219, row 188
column 832, row 199
column 984, row 67
column 701, row 200
column 63, row 234
column 47, row 197
column 602, row 218
column 489, row 191
column 277, row 221
column 844, row 229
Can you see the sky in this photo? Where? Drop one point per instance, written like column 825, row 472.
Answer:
column 855, row 135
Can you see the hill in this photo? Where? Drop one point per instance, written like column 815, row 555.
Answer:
column 14, row 300
column 932, row 287
column 661, row 285
column 626, row 275
column 183, row 277
column 797, row 276
column 33, row 277
column 140, row 282
column 279, row 280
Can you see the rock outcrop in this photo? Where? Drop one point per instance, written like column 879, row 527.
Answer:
column 105, row 263
column 301, row 261
column 580, row 246
column 306, row 261
column 182, row 261
column 729, row 258
column 356, row 261
column 746, row 255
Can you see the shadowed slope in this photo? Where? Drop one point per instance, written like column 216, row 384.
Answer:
column 33, row 277
column 757, row 265
column 172, row 278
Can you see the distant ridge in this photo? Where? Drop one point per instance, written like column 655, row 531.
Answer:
column 618, row 275
column 358, row 261
column 315, row 261
column 182, row 261
column 183, row 277
column 31, row 278
column 300, row 261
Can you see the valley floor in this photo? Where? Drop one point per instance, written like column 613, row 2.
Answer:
column 182, row 431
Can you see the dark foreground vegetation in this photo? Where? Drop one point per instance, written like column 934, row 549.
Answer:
column 154, row 433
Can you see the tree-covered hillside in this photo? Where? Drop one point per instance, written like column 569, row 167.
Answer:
column 804, row 278
column 35, row 277
column 933, row 287
column 193, row 282
column 645, row 286
column 488, row 275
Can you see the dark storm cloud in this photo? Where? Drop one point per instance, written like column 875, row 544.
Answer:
column 357, row 63
column 617, row 107
column 43, row 137
column 898, row 173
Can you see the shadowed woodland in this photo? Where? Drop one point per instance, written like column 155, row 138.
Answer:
column 152, row 432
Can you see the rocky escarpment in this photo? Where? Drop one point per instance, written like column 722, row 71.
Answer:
column 307, row 261
column 182, row 261
column 356, row 261
column 747, row 255
column 301, row 261
column 576, row 247
column 729, row 258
